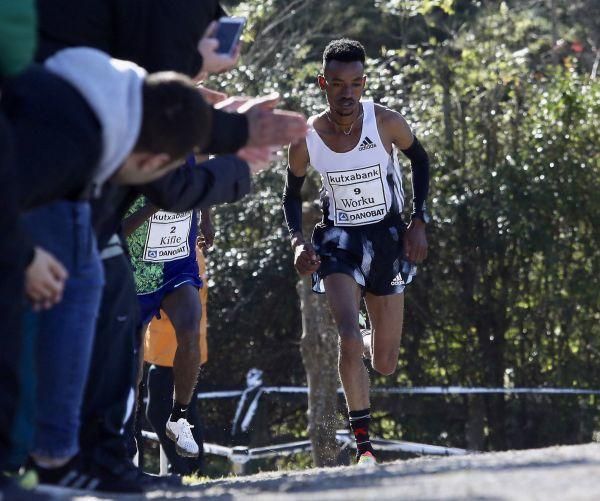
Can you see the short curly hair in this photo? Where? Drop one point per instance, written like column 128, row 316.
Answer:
column 344, row 50
column 176, row 120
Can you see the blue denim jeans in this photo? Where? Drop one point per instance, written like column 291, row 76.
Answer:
column 66, row 331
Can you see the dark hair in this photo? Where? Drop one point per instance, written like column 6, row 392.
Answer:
column 175, row 118
column 344, row 50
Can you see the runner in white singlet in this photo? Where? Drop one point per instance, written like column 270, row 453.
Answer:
column 362, row 247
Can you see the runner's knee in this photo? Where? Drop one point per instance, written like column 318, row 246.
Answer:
column 351, row 343
column 187, row 326
column 187, row 337
column 385, row 365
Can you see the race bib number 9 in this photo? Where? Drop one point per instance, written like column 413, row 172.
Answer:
column 358, row 196
column 168, row 236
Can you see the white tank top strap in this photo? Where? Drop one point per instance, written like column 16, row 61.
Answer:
column 313, row 140
column 369, row 114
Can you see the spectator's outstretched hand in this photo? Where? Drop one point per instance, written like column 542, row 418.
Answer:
column 213, row 61
column 45, row 279
column 212, row 97
column 270, row 127
column 263, row 122
column 232, row 103
column 258, row 158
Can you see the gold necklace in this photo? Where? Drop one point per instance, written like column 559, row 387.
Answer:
column 340, row 127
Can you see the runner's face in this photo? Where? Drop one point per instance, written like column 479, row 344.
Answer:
column 343, row 84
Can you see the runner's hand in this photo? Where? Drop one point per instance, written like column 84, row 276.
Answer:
column 415, row 241
column 207, row 229
column 306, row 259
column 45, row 279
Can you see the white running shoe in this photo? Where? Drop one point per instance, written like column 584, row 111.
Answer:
column 366, row 459
column 180, row 432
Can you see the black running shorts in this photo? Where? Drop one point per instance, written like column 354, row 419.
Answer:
column 372, row 254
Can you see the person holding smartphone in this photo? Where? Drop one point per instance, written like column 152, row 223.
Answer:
column 158, row 36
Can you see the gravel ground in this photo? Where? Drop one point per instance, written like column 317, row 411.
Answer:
column 555, row 473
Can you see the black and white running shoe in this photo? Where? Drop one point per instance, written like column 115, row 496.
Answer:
column 76, row 476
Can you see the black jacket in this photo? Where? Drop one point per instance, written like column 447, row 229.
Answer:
column 220, row 180
column 158, row 35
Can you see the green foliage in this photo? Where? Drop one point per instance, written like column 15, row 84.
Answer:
column 148, row 276
column 253, row 309
column 416, row 7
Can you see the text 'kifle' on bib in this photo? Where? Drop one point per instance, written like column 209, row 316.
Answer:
column 167, row 236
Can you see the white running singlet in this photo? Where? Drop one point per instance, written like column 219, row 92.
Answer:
column 359, row 186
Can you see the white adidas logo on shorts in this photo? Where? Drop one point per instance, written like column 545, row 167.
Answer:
column 398, row 280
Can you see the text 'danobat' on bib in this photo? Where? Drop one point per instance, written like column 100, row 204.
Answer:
column 167, row 237
column 358, row 195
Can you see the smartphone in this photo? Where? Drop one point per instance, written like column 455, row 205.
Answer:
column 228, row 33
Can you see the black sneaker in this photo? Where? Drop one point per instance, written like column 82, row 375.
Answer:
column 78, row 476
column 123, row 468
column 150, row 481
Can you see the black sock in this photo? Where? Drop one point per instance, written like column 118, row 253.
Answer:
column 359, row 422
column 179, row 411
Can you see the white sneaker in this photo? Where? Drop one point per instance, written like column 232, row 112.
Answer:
column 180, row 432
column 366, row 459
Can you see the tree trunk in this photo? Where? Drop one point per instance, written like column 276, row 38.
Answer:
column 445, row 80
column 319, row 350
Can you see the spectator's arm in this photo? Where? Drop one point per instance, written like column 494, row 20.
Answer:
column 220, row 180
column 229, row 132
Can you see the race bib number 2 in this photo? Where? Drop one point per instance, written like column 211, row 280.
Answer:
column 358, row 195
column 168, row 236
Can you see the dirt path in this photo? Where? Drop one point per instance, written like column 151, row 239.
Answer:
column 556, row 473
